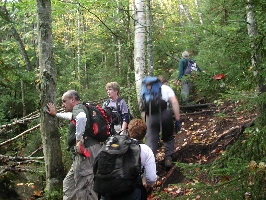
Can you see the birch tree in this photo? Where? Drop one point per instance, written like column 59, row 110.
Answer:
column 252, row 32
column 184, row 10
column 49, row 128
column 256, row 56
column 198, row 11
column 139, row 43
column 149, row 38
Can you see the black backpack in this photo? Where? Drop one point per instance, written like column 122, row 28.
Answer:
column 116, row 114
column 99, row 122
column 117, row 167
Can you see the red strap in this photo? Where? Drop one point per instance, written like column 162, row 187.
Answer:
column 85, row 152
column 105, row 117
column 73, row 122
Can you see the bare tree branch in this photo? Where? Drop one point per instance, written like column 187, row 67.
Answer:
column 20, row 135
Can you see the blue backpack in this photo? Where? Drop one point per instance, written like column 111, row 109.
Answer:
column 191, row 66
column 150, row 96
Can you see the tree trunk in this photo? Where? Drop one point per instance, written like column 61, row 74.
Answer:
column 149, row 39
column 78, row 51
column 256, row 59
column 198, row 11
column 252, row 32
column 130, row 50
column 184, row 10
column 5, row 16
column 49, row 128
column 139, row 44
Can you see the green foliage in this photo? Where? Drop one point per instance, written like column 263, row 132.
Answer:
column 53, row 195
column 33, row 141
column 66, row 154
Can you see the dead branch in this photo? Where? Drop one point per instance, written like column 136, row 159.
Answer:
column 31, row 116
column 20, row 135
column 168, row 175
column 196, row 113
column 25, row 162
column 19, row 158
column 18, row 169
column 6, row 128
column 40, row 148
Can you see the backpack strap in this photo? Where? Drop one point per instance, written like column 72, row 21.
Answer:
column 106, row 103
column 118, row 105
column 160, row 111
column 186, row 66
column 73, row 122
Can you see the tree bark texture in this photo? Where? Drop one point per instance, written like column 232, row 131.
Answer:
column 139, row 44
column 256, row 58
column 149, row 38
column 49, row 127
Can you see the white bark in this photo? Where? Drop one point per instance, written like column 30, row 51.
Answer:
column 198, row 11
column 252, row 31
column 184, row 10
column 149, row 39
column 255, row 56
column 139, row 43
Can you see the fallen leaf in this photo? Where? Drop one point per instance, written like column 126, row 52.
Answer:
column 185, row 143
column 37, row 193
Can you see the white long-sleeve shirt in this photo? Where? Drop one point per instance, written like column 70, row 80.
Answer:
column 148, row 162
column 81, row 120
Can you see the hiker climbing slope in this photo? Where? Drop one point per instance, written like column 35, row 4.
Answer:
column 159, row 116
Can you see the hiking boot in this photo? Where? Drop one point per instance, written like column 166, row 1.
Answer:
column 168, row 162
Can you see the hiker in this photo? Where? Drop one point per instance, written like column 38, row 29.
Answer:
column 163, row 121
column 119, row 107
column 137, row 130
column 186, row 84
column 78, row 183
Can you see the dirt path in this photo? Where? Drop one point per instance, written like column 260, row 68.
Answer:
column 206, row 132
